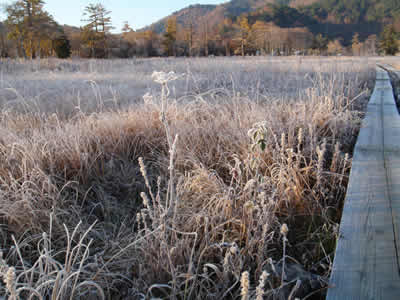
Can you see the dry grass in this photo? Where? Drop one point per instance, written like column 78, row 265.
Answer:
column 396, row 65
column 260, row 143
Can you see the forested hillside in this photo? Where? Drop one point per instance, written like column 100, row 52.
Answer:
column 193, row 12
column 331, row 18
column 356, row 11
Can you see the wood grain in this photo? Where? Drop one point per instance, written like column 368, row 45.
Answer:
column 366, row 262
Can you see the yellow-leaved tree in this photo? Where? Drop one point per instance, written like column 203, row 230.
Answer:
column 244, row 31
column 31, row 27
column 169, row 41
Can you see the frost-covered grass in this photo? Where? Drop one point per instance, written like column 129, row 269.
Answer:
column 95, row 85
column 237, row 193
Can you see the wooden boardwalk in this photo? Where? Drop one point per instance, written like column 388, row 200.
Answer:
column 366, row 264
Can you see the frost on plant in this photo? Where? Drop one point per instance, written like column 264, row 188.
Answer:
column 258, row 135
column 148, row 98
column 163, row 77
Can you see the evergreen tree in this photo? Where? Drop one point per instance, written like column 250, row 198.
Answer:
column 62, row 47
column 389, row 43
column 244, row 29
column 126, row 28
column 170, row 37
column 94, row 33
column 320, row 43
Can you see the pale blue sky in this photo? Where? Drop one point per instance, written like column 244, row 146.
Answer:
column 138, row 13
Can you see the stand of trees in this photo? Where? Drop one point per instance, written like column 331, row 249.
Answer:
column 30, row 32
column 389, row 44
column 31, row 28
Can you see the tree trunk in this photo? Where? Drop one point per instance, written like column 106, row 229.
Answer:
column 227, row 49
column 191, row 40
column 206, row 44
column 32, row 49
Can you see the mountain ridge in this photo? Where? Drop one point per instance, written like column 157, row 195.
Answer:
column 331, row 18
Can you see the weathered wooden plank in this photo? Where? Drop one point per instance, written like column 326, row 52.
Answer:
column 376, row 95
column 371, row 133
column 392, row 163
column 391, row 127
column 366, row 262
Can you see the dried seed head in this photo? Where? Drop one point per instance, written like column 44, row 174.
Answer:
column 138, row 217
column 226, row 261
column 283, row 141
column 300, row 136
column 142, row 167
column 262, row 196
column 164, row 78
column 233, row 249
column 145, row 199
column 205, row 270
column 250, row 185
column 260, row 289
column 147, row 98
column 248, row 206
column 284, row 229
column 9, row 279
column 245, row 284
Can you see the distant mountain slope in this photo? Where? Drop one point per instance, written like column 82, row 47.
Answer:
column 192, row 12
column 333, row 18
column 71, row 29
column 212, row 13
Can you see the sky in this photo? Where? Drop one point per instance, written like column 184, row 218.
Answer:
column 138, row 13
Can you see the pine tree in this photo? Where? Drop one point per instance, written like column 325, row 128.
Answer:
column 244, row 33
column 94, row 33
column 389, row 43
column 126, row 28
column 170, row 37
column 320, row 43
column 62, row 47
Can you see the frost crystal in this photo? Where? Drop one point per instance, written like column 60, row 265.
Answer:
column 163, row 78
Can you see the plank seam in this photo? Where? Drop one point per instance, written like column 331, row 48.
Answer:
column 379, row 209
column 388, row 186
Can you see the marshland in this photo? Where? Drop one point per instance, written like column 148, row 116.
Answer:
column 179, row 178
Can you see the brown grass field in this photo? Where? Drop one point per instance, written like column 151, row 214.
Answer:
column 223, row 182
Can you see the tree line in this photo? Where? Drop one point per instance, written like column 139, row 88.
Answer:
column 29, row 31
